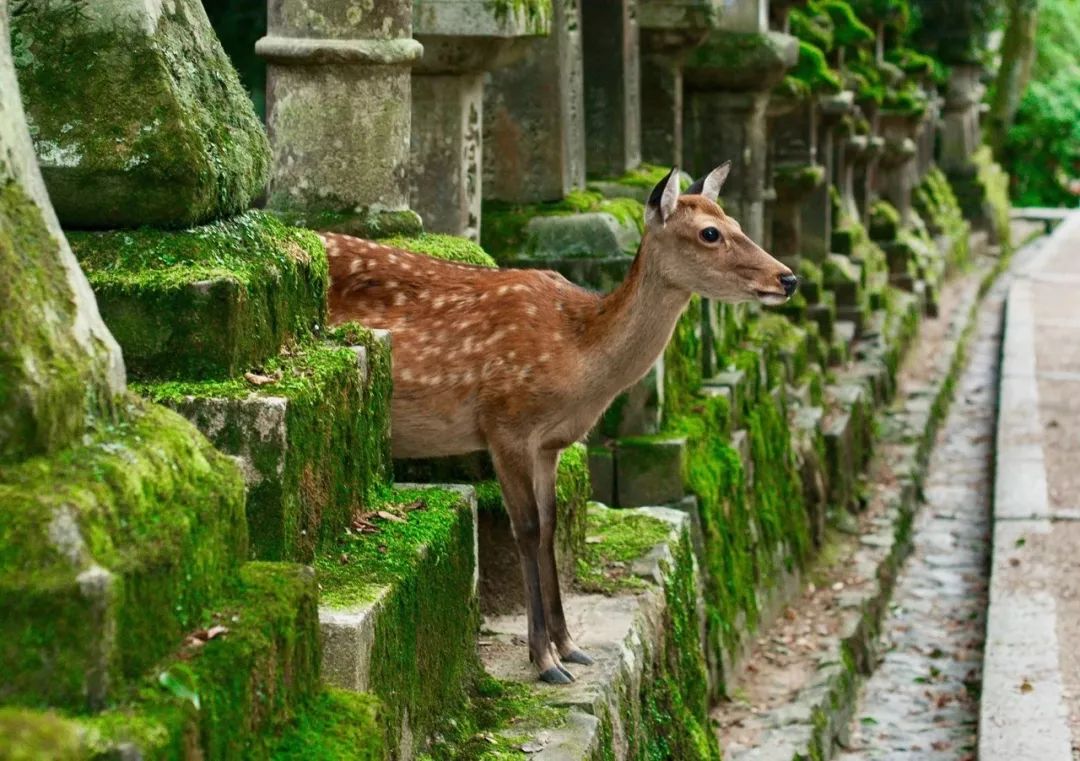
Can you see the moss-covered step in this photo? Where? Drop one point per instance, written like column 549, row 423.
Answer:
column 398, row 608
column 848, row 431
column 169, row 137
column 109, row 553
column 207, row 302
column 639, row 615
column 336, row 725
column 312, row 433
column 500, row 567
column 649, row 470
column 248, row 669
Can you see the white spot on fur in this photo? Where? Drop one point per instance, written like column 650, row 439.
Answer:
column 399, row 299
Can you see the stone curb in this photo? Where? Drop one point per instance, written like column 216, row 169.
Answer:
column 820, row 714
column 1022, row 711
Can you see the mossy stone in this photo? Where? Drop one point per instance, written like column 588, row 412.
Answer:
column 337, row 725
column 734, row 61
column 449, row 247
column 209, row 302
column 32, row 735
column 109, row 552
column 168, row 137
column 314, row 442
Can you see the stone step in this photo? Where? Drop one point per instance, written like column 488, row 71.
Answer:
column 312, row 439
column 209, row 302
column 646, row 694
column 498, row 552
column 111, row 552
column 398, row 607
column 229, row 692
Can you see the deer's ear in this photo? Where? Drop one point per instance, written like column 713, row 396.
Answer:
column 710, row 185
column 663, row 200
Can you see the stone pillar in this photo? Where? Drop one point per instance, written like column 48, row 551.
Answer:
column 462, row 41
column 59, row 365
column 339, row 111
column 960, row 135
column 534, row 117
column 669, row 30
column 797, row 176
column 898, row 173
column 612, row 87
column 817, row 221
column 728, row 81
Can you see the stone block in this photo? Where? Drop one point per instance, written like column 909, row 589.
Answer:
column 736, row 383
column 649, row 471
column 398, row 609
column 158, row 143
column 638, row 411
column 210, row 302
column 314, row 444
column 602, row 474
column 593, row 234
column 138, row 530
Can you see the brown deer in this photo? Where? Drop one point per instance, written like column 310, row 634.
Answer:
column 523, row 362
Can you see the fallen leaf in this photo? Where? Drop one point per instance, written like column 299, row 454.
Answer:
column 344, row 559
column 416, row 505
column 259, row 380
column 383, row 549
column 940, row 745
column 388, row 516
column 216, row 631
column 1026, row 686
column 593, row 539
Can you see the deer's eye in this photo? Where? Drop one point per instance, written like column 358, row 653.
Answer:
column 710, row 235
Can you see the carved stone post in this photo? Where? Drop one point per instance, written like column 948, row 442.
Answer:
column 339, row 110
column 462, row 41
column 796, row 176
column 612, row 87
column 817, row 221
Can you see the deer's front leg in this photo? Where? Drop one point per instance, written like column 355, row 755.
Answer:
column 515, row 473
column 544, row 491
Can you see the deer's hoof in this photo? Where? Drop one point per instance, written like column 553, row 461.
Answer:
column 578, row 657
column 556, row 675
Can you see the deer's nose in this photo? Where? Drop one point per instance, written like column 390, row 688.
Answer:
column 790, row 283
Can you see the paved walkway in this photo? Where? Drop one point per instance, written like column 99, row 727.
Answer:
column 1031, row 691
column 921, row 701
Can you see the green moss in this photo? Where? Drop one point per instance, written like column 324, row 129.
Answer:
column 848, row 30
column 449, row 247
column 795, row 181
column 316, row 458
column 232, row 696
column 149, row 501
column 209, row 302
column 884, row 221
column 907, row 101
column 813, row 26
column 50, row 386
column 503, row 231
column 813, row 70
column 421, row 568
column 32, row 736
column 894, row 14
column 614, row 539
column 682, row 361
column 536, row 12
column 170, row 137
column 741, row 61
column 337, row 725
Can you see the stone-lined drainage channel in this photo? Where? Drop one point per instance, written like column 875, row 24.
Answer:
column 922, row 699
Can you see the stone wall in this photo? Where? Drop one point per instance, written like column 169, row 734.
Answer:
column 301, row 605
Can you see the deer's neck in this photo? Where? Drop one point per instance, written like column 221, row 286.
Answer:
column 634, row 324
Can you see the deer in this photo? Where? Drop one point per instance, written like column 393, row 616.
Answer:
column 522, row 363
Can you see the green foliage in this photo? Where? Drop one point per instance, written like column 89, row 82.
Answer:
column 814, row 70
column 849, row 31
column 1042, row 150
column 813, row 26
column 954, row 31
column 449, row 247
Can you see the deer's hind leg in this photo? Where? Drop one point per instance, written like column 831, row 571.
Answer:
column 544, row 492
column 515, row 469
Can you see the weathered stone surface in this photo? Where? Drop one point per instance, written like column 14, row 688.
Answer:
column 402, row 624
column 638, row 411
column 612, row 87
column 592, row 234
column 313, row 443
column 59, row 365
column 535, row 135
column 649, row 471
column 339, row 106
column 209, row 302
column 168, row 137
